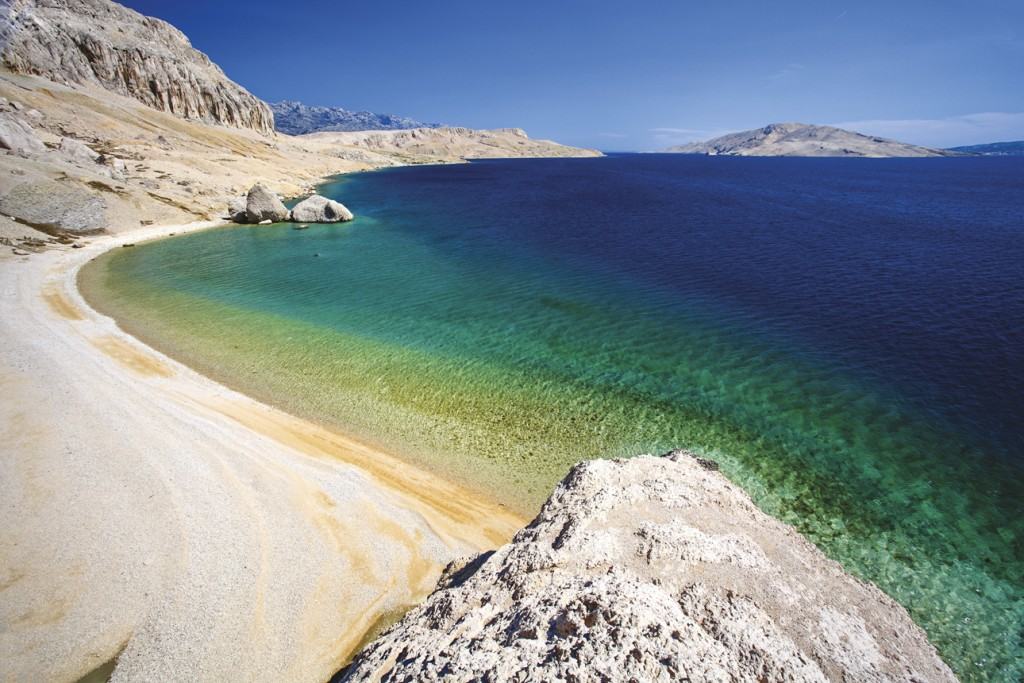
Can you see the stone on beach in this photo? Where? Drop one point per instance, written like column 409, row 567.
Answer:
column 319, row 209
column 261, row 204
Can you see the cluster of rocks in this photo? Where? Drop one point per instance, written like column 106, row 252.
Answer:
column 652, row 569
column 263, row 207
column 102, row 43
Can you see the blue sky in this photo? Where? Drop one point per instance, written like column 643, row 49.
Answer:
column 633, row 74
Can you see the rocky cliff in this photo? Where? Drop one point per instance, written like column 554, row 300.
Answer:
column 296, row 118
column 652, row 569
column 99, row 42
column 805, row 140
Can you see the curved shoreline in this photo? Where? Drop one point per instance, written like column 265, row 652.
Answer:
column 184, row 525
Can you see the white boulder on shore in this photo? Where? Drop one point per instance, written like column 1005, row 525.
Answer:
column 319, row 209
column 263, row 205
column 652, row 569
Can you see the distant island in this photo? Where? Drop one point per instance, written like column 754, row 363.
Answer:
column 296, row 118
column 806, row 140
column 994, row 149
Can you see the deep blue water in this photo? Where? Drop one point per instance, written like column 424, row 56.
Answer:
column 908, row 273
column 845, row 336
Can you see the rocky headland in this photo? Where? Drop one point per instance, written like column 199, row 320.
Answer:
column 652, row 569
column 805, row 140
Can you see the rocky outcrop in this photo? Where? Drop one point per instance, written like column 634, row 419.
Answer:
column 19, row 137
column 102, row 43
column 77, row 151
column 318, row 209
column 296, row 118
column 652, row 569
column 53, row 207
column 805, row 140
column 263, row 205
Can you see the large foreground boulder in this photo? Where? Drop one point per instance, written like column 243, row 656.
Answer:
column 652, row 569
column 318, row 209
column 263, row 205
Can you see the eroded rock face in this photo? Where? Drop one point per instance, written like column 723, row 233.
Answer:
column 263, row 205
column 652, row 569
column 318, row 209
column 100, row 42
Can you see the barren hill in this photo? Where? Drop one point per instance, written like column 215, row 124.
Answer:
column 805, row 140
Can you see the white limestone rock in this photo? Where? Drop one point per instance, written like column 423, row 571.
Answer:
column 652, row 569
column 261, row 205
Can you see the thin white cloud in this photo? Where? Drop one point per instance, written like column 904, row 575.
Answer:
column 785, row 72
column 952, row 131
column 612, row 135
column 666, row 136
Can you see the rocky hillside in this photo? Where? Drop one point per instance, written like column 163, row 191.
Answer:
column 420, row 145
column 296, row 118
column 805, row 140
column 652, row 569
column 99, row 42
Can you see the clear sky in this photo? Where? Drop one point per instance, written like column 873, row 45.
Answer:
column 633, row 74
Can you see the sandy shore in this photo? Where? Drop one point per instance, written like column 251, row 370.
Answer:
column 151, row 512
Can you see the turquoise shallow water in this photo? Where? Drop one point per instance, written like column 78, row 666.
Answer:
column 844, row 338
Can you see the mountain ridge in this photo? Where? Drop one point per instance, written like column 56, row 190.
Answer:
column 805, row 140
column 1010, row 148
column 296, row 118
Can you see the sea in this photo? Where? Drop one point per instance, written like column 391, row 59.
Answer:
column 844, row 337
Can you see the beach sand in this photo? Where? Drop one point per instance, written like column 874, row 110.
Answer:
column 153, row 515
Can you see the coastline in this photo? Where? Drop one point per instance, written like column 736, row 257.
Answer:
column 145, row 497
